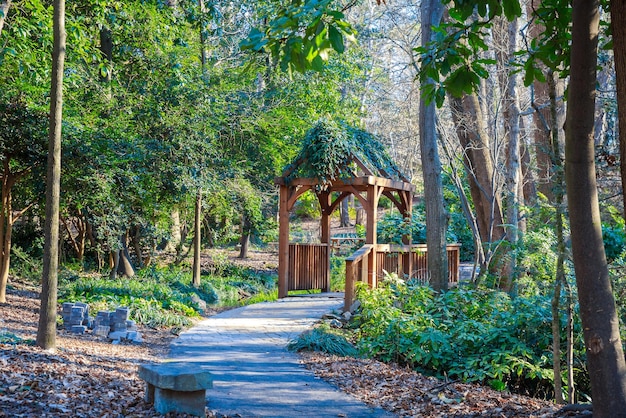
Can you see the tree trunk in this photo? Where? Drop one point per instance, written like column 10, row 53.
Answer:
column 46, row 331
column 556, row 343
column 4, row 10
column 436, row 217
column 125, row 267
column 345, row 213
column 6, row 229
column 618, row 26
column 197, row 239
column 175, row 232
column 605, row 356
column 114, row 261
column 479, row 167
column 245, row 237
column 511, row 115
column 136, row 242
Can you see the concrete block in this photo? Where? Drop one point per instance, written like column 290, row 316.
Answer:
column 176, row 387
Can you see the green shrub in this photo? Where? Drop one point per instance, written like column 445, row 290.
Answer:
column 614, row 236
column 473, row 335
column 323, row 339
column 393, row 227
column 307, row 206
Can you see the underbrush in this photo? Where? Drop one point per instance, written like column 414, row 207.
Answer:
column 323, row 339
column 165, row 297
column 465, row 334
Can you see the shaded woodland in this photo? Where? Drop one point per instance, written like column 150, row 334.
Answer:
column 177, row 115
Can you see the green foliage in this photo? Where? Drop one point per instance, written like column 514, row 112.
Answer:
column 25, row 266
column 328, row 150
column 453, row 61
column 337, row 274
column 473, row 335
column 7, row 337
column 156, row 302
column 323, row 339
column 236, row 286
column 301, row 34
column 614, row 235
column 307, row 206
column 392, row 227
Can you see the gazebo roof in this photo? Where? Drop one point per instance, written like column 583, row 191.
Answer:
column 334, row 151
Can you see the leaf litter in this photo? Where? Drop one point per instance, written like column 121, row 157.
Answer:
column 90, row 377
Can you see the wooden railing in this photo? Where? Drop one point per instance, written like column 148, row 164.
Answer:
column 308, row 267
column 400, row 259
column 395, row 259
column 356, row 271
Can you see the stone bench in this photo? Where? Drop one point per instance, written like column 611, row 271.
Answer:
column 176, row 387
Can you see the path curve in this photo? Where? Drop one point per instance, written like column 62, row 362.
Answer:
column 253, row 373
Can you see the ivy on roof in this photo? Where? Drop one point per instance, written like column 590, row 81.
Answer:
column 332, row 150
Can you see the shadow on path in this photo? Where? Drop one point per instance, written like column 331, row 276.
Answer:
column 253, row 373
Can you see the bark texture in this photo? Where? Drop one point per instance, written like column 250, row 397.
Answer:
column 436, row 217
column 46, row 332
column 605, row 356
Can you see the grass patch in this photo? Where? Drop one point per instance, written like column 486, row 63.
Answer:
column 164, row 297
column 323, row 339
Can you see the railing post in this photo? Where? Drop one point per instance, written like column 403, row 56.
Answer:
column 349, row 291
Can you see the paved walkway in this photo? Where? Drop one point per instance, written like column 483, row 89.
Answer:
column 253, row 374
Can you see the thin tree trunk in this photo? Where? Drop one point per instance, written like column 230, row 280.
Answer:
column 204, row 53
column 136, row 242
column 605, row 355
column 436, row 217
column 557, row 169
column 197, row 241
column 114, row 260
column 125, row 267
column 46, row 331
column 345, row 213
column 512, row 132
column 6, row 228
column 569, row 360
column 556, row 343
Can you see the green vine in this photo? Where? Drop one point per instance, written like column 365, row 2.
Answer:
column 330, row 148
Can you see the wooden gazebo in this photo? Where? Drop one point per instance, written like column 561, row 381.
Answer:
column 364, row 170
column 335, row 162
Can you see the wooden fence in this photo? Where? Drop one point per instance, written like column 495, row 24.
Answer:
column 309, row 267
column 395, row 259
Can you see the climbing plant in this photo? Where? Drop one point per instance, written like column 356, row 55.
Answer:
column 330, row 147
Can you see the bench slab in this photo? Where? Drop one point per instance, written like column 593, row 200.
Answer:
column 176, row 387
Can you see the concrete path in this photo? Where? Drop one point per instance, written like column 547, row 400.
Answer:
column 253, row 373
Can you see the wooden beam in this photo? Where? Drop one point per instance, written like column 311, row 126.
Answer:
column 337, row 201
column 362, row 166
column 393, row 199
column 294, row 194
column 356, row 181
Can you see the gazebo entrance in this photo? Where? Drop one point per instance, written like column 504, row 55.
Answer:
column 360, row 167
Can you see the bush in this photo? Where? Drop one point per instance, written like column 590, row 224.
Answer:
column 472, row 335
column 323, row 339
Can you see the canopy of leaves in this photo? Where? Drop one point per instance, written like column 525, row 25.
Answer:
column 331, row 148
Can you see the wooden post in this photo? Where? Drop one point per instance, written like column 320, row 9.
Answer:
column 283, row 242
column 325, row 204
column 407, row 212
column 349, row 291
column 370, row 238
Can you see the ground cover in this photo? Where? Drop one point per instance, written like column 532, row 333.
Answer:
column 91, row 377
